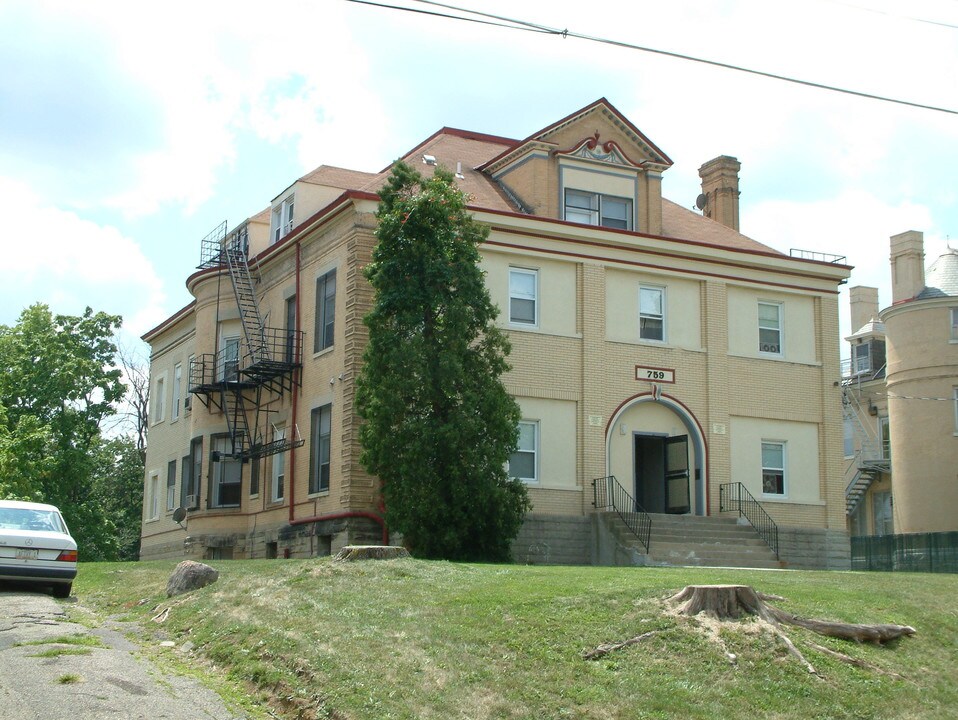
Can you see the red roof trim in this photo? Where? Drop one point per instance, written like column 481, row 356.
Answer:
column 171, row 320
column 456, row 132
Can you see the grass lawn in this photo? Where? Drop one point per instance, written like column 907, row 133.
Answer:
column 417, row 639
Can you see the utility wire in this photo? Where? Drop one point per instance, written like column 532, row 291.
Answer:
column 514, row 24
column 894, row 15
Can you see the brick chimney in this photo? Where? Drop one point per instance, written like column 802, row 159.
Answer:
column 720, row 188
column 863, row 303
column 907, row 265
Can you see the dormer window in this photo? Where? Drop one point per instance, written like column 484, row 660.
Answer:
column 282, row 222
column 861, row 358
column 598, row 209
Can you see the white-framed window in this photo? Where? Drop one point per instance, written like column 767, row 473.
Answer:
column 861, row 358
column 159, row 401
column 591, row 208
column 770, row 328
column 652, row 313
column 954, row 324
column 882, row 513
column 228, row 359
column 885, row 437
column 524, row 462
column 188, row 397
column 177, row 390
column 325, row 311
column 773, row 468
column 524, row 296
column 956, row 410
column 282, row 222
column 170, row 485
column 277, row 484
column 153, row 496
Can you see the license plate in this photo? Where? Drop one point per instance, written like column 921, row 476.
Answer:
column 27, row 553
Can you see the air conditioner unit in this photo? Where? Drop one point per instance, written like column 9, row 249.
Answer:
column 191, row 501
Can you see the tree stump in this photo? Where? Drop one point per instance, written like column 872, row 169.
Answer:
column 724, row 602
column 371, row 552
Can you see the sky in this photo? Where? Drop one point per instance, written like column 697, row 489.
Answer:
column 129, row 130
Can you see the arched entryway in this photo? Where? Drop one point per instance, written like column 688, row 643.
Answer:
column 656, row 449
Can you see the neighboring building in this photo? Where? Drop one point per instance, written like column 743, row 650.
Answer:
column 904, row 476
column 650, row 343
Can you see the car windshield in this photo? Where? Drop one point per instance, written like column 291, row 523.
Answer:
column 28, row 519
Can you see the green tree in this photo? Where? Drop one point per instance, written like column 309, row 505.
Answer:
column 57, row 384
column 439, row 425
column 118, row 491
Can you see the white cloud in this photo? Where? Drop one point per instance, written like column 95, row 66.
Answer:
column 70, row 263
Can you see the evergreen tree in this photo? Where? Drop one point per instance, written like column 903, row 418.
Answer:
column 439, row 425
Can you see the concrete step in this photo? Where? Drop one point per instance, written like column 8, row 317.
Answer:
column 698, row 541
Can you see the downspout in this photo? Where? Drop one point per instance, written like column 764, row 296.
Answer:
column 296, row 392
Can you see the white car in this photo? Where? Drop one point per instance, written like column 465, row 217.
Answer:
column 36, row 546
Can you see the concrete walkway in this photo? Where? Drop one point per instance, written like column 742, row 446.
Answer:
column 108, row 682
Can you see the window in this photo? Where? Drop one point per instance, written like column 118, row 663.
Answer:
column 956, row 410
column 283, row 219
column 861, row 358
column 523, row 292
column 192, row 473
column 177, row 385
column 325, row 311
column 228, row 359
column 954, row 324
column 882, row 513
column 595, row 209
column 226, row 473
column 154, row 496
column 848, row 431
column 190, row 365
column 254, row 469
column 885, row 436
column 652, row 313
column 170, row 485
column 523, row 462
column 278, row 477
column 773, row 468
column 770, row 328
column 292, row 351
column 159, row 401
column 319, row 436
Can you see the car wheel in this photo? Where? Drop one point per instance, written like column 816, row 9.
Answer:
column 62, row 590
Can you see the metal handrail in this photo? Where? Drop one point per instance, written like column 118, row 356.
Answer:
column 608, row 494
column 735, row 497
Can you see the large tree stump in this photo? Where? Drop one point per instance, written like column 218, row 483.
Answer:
column 371, row 552
column 724, row 602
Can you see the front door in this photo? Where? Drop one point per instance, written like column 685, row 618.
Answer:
column 677, row 475
column 662, row 473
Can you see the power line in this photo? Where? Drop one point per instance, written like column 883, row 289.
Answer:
column 524, row 25
column 876, row 11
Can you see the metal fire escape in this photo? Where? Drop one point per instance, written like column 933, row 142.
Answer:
column 870, row 460
column 244, row 379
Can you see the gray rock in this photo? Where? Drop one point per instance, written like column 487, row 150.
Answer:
column 188, row 576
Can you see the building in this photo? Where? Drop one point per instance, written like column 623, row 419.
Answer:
column 654, row 347
column 914, row 397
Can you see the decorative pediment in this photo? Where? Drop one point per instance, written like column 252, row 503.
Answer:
column 596, row 150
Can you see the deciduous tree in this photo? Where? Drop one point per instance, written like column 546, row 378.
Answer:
column 439, row 425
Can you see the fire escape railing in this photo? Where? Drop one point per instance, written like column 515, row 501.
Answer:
column 735, row 497
column 608, row 494
column 241, row 381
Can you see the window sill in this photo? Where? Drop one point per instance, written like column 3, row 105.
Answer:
column 324, row 351
column 535, row 330
column 318, row 494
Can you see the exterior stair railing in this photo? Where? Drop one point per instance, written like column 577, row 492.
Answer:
column 608, row 494
column 735, row 497
column 869, row 460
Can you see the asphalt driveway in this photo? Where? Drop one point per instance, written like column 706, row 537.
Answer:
column 112, row 681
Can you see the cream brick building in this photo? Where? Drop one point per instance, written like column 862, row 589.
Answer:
column 909, row 403
column 651, row 343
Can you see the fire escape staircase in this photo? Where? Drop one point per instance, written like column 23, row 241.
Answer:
column 869, row 461
column 244, row 382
